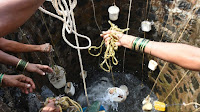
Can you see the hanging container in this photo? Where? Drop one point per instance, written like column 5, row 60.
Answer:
column 113, row 12
column 152, row 65
column 160, row 106
column 69, row 89
column 146, row 26
column 116, row 94
column 84, row 74
column 57, row 78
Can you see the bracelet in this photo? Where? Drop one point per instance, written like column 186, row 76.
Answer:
column 1, row 78
column 139, row 44
column 135, row 42
column 143, row 47
column 21, row 65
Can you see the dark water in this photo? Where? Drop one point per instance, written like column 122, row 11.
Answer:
column 102, row 81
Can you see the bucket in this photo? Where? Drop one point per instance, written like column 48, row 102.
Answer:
column 160, row 106
column 57, row 78
column 84, row 74
column 69, row 89
column 116, row 94
column 113, row 12
column 152, row 65
column 146, row 26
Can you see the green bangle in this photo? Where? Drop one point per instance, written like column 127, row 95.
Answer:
column 141, row 44
column 134, row 43
column 1, row 78
column 138, row 44
column 21, row 65
column 145, row 45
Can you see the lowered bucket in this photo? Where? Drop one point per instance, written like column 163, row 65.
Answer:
column 57, row 78
column 69, row 89
column 113, row 12
column 146, row 26
column 118, row 94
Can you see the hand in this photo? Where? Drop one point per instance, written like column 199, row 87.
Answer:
column 38, row 68
column 46, row 48
column 124, row 40
column 50, row 107
column 26, row 84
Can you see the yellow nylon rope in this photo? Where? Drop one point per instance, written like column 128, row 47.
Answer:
column 111, row 47
column 64, row 103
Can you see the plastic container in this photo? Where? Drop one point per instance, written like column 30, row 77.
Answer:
column 69, row 89
column 57, row 78
column 160, row 106
column 146, row 26
column 113, row 12
column 152, row 65
column 84, row 73
column 116, row 94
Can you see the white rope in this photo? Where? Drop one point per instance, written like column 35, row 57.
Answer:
column 69, row 25
column 65, row 15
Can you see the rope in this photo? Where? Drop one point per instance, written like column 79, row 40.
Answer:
column 175, row 86
column 64, row 103
column 111, row 47
column 127, row 26
column 66, row 12
column 69, row 25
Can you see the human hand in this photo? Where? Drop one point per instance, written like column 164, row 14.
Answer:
column 25, row 84
column 123, row 39
column 38, row 68
column 46, row 48
column 50, row 107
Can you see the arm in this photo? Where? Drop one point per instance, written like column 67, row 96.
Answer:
column 181, row 54
column 13, row 13
column 11, row 60
column 12, row 46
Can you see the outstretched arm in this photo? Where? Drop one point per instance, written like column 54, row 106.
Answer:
column 14, row 13
column 13, row 46
column 181, row 54
column 11, row 60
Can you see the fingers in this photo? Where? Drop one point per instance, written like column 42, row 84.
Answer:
column 26, row 84
column 45, row 68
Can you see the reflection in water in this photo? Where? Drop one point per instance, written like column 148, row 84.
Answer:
column 97, row 91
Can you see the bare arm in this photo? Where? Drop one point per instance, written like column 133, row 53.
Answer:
column 13, row 13
column 12, row 60
column 13, row 46
column 181, row 54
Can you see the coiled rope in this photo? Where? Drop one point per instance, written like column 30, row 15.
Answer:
column 111, row 47
column 66, row 15
column 64, row 103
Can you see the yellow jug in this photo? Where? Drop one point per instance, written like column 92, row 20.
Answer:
column 160, row 106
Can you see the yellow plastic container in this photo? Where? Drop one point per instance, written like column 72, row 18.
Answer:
column 160, row 106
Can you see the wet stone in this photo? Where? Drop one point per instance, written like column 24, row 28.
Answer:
column 168, row 78
column 180, row 90
column 184, row 5
column 185, row 89
column 198, row 98
column 195, row 83
column 176, row 94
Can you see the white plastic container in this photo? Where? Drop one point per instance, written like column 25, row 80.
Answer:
column 69, row 89
column 116, row 94
column 84, row 74
column 57, row 78
column 152, row 65
column 113, row 12
column 146, row 26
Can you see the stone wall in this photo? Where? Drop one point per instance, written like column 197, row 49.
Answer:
column 41, row 28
